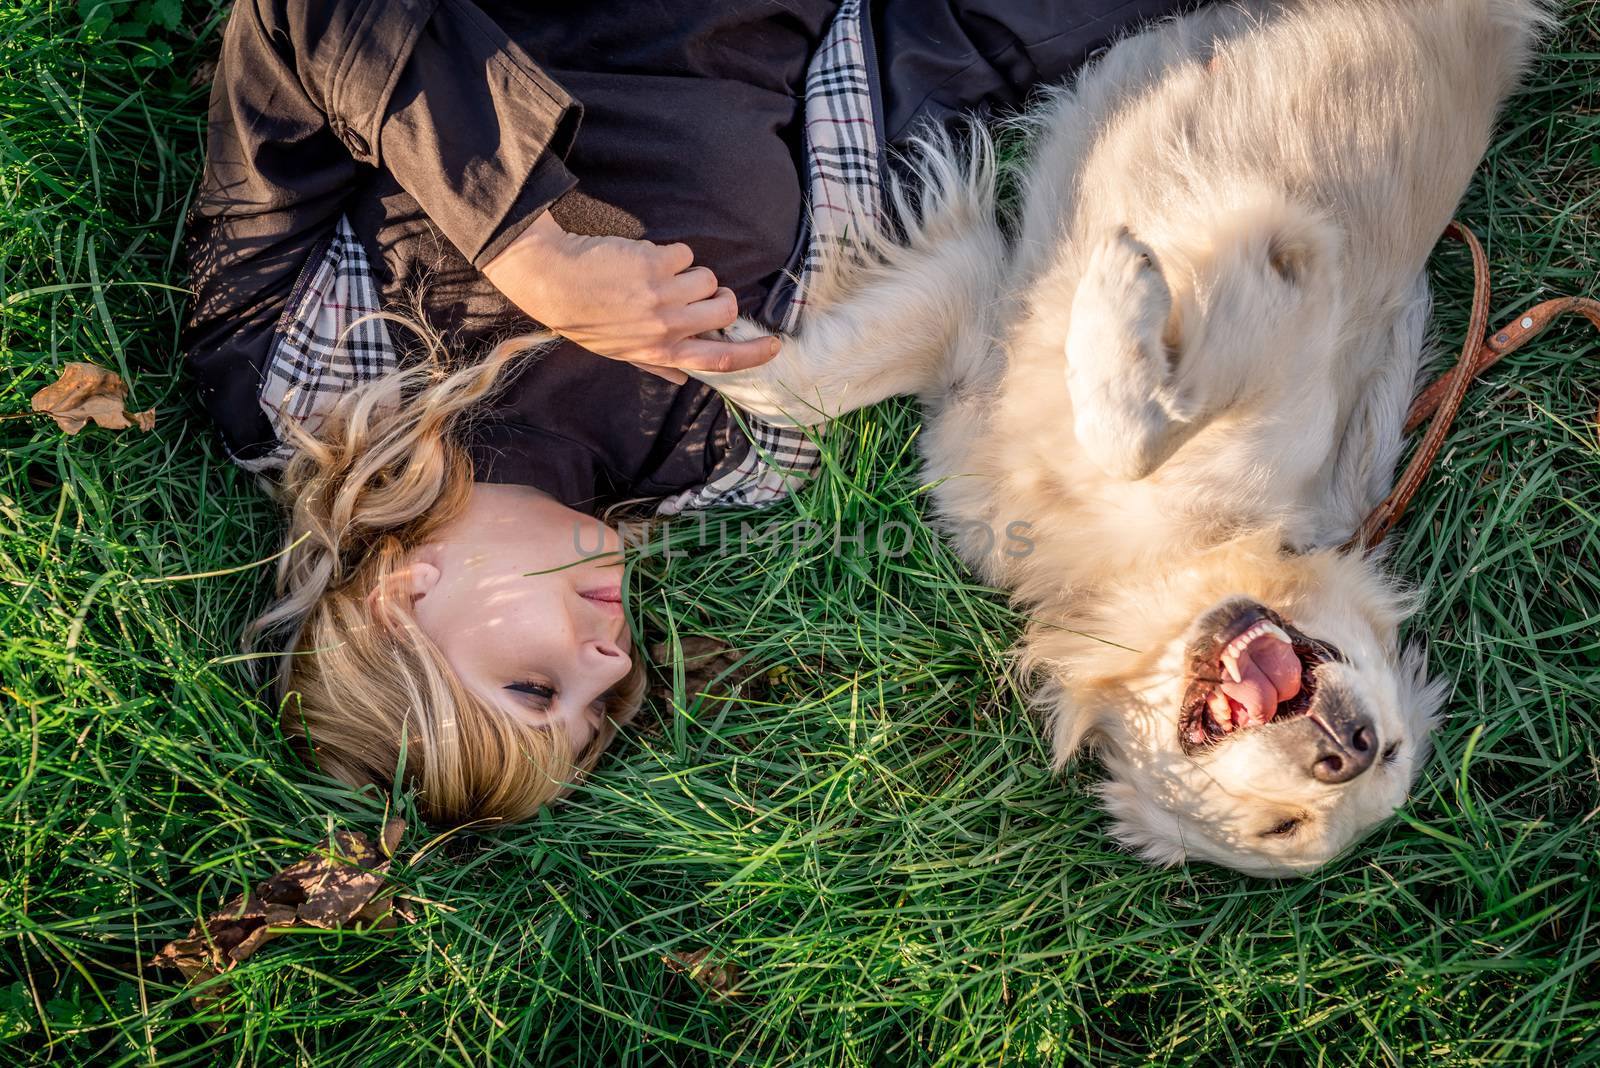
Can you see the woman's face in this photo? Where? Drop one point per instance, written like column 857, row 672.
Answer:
column 524, row 624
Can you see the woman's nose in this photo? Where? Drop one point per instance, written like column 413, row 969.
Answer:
column 608, row 657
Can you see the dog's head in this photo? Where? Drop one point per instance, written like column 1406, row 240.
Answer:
column 1255, row 710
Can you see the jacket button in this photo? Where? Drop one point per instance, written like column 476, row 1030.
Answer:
column 355, row 143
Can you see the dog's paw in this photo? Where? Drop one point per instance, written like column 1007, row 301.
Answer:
column 783, row 391
column 741, row 329
column 1119, row 370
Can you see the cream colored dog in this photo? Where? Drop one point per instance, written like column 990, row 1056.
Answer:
column 1157, row 412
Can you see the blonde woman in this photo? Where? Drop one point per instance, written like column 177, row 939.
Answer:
column 449, row 600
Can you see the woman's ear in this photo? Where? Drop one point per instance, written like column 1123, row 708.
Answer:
column 393, row 598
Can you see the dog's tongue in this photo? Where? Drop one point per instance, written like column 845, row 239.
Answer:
column 1269, row 673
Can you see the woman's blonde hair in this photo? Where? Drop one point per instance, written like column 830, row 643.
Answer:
column 368, row 698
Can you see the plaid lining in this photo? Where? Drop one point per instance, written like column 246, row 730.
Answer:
column 842, row 150
column 327, row 344
column 776, row 461
column 844, row 186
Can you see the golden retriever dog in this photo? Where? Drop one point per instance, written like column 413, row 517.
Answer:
column 1158, row 409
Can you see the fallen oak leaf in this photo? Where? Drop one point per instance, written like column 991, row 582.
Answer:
column 230, row 936
column 704, row 660
column 709, row 973
column 393, row 828
column 84, row 392
column 378, row 914
column 329, row 889
column 342, row 885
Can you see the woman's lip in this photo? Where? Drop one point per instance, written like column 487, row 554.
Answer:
column 608, row 597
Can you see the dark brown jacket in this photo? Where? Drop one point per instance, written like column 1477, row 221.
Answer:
column 442, row 128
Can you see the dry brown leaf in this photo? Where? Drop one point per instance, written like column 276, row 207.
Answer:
column 704, row 659
column 342, row 885
column 84, row 392
column 710, row 973
column 405, row 912
column 390, row 839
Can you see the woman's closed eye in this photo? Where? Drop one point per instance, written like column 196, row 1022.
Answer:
column 534, row 689
column 546, row 695
column 542, row 709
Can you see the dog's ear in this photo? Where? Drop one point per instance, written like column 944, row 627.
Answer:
column 1421, row 699
column 1142, row 825
column 1123, row 344
column 1301, row 246
column 1072, row 726
column 1289, row 256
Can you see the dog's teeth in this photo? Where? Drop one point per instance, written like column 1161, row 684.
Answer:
column 1230, row 655
column 1219, row 712
column 1282, row 635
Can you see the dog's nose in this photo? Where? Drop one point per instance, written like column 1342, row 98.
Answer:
column 1345, row 751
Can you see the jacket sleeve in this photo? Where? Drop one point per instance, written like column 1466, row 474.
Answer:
column 308, row 97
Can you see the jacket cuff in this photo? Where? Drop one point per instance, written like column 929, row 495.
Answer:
column 549, row 182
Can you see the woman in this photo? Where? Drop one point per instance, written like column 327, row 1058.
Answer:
column 448, row 593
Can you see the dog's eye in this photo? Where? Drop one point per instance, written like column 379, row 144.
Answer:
column 1288, row 257
column 1390, row 753
column 1287, row 827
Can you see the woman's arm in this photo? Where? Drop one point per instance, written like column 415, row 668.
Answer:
column 275, row 181
column 633, row 301
column 308, row 97
column 486, row 166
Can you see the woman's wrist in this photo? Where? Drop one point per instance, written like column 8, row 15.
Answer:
column 540, row 240
column 544, row 230
column 525, row 269
column 625, row 299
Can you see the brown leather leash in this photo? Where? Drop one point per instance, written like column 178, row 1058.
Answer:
column 1442, row 399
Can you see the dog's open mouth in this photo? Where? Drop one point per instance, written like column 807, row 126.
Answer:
column 1249, row 668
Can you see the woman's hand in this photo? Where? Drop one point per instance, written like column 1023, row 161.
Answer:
column 634, row 301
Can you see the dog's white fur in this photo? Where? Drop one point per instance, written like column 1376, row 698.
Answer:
column 1187, row 376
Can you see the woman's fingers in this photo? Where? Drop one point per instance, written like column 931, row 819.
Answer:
column 701, row 354
column 625, row 300
column 674, row 258
column 671, row 374
column 713, row 313
column 690, row 287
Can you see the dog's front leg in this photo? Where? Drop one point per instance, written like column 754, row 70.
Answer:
column 1129, row 412
column 892, row 320
column 893, row 335
column 845, row 358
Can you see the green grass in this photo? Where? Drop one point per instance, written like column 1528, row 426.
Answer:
column 876, row 840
